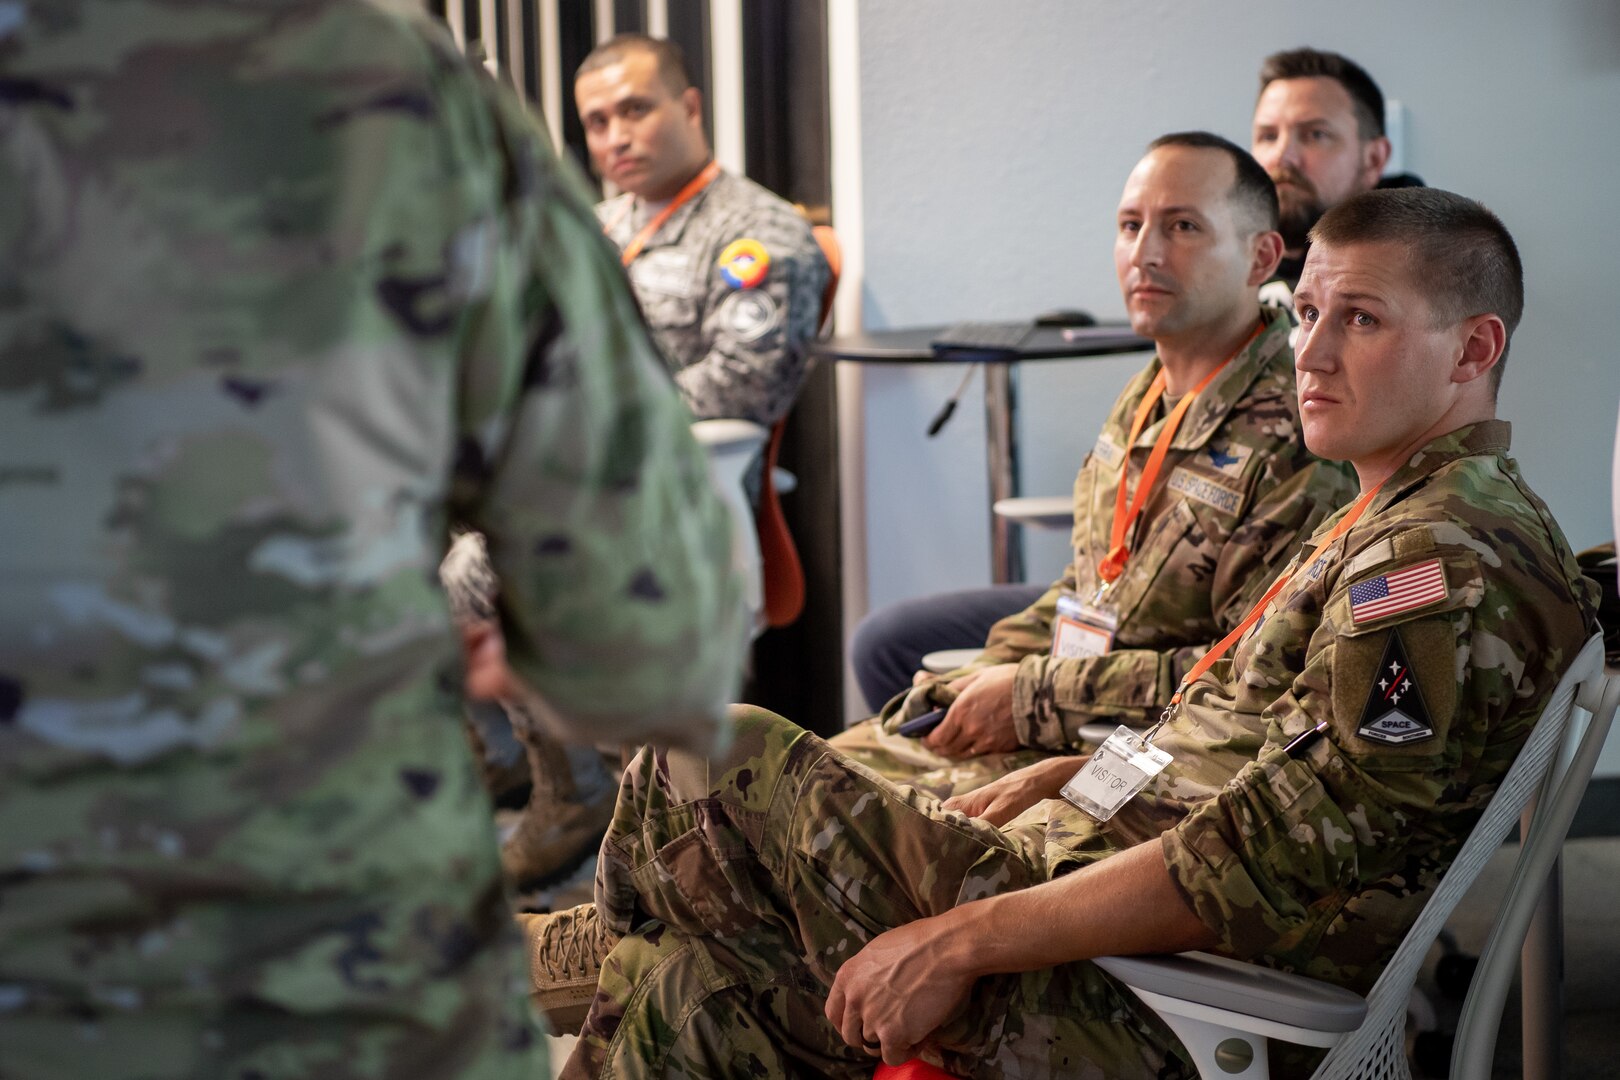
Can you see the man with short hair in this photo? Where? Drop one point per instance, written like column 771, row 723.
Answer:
column 1318, row 131
column 728, row 274
column 1215, row 493
column 779, row 910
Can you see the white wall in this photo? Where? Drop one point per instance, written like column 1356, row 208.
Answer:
column 994, row 141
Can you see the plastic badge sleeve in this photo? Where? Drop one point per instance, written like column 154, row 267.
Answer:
column 1113, row 775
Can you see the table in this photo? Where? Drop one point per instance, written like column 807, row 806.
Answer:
column 912, row 346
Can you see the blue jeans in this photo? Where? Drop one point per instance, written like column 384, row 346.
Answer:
column 889, row 644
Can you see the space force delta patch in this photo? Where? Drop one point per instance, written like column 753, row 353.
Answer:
column 1395, row 713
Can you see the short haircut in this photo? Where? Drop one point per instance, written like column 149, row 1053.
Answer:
column 1461, row 252
column 1252, row 190
column 1365, row 96
column 671, row 60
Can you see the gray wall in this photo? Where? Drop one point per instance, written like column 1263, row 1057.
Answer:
column 996, row 137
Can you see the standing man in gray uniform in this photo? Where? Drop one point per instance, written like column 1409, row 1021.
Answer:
column 728, row 275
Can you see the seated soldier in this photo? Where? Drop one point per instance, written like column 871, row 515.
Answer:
column 780, row 911
column 729, row 275
column 1318, row 132
column 1197, row 491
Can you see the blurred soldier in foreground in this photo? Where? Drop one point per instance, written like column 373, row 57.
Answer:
column 780, row 911
column 553, row 801
column 286, row 289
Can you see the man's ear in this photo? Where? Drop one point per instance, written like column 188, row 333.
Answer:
column 1374, row 156
column 1484, row 340
column 692, row 102
column 1267, row 252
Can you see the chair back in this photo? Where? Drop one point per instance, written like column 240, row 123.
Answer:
column 1377, row 1049
column 833, row 252
column 1549, row 815
column 779, row 556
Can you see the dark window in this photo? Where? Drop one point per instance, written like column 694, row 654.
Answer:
column 576, row 34
column 784, row 82
column 531, row 52
column 689, row 28
column 629, row 17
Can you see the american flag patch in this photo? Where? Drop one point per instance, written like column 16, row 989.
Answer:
column 1390, row 594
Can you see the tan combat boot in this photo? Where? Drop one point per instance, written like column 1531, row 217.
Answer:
column 569, row 808
column 566, row 949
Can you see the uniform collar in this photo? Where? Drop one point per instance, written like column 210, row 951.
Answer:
column 1488, row 437
column 670, row 234
column 1210, row 411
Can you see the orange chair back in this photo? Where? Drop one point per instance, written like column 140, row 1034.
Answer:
column 779, row 557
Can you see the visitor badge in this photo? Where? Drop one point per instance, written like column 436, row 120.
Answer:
column 1082, row 629
column 1113, row 775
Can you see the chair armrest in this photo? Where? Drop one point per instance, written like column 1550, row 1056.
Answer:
column 729, row 434
column 1242, row 989
column 1040, row 511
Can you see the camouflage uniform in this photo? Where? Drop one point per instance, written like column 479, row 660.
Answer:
column 737, row 351
column 1237, row 491
column 777, row 863
column 285, row 288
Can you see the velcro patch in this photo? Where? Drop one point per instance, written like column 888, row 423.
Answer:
column 1398, row 591
column 1395, row 713
column 749, row 316
column 744, row 263
column 1107, row 452
column 1228, row 457
column 1204, row 489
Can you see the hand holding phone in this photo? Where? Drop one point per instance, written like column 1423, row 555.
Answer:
column 918, row 726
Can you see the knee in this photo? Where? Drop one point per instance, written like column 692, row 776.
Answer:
column 760, row 743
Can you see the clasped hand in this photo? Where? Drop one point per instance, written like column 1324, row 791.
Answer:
column 891, row 996
column 1003, row 799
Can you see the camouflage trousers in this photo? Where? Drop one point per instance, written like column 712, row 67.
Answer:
column 742, row 884
column 905, row 760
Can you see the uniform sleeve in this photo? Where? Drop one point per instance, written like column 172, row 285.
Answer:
column 1053, row 698
column 617, row 597
column 1426, row 704
column 756, row 334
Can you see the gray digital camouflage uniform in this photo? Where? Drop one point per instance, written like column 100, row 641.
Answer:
column 736, row 351
column 285, row 289
column 1236, row 492
column 764, row 870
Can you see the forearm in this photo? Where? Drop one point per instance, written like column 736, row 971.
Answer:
column 1122, row 905
column 1053, row 698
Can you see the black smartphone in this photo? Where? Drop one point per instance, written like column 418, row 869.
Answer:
column 918, row 726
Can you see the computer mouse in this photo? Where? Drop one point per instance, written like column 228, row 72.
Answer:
column 1065, row 317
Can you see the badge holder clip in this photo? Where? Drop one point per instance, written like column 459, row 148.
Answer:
column 1115, row 772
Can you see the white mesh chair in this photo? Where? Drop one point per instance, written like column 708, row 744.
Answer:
column 732, row 446
column 1223, row 1011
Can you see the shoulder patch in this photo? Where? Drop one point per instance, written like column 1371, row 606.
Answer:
column 749, row 316
column 1395, row 713
column 744, row 263
column 1398, row 591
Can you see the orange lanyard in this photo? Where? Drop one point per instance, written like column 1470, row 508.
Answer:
column 649, row 230
column 1221, row 647
column 1113, row 564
